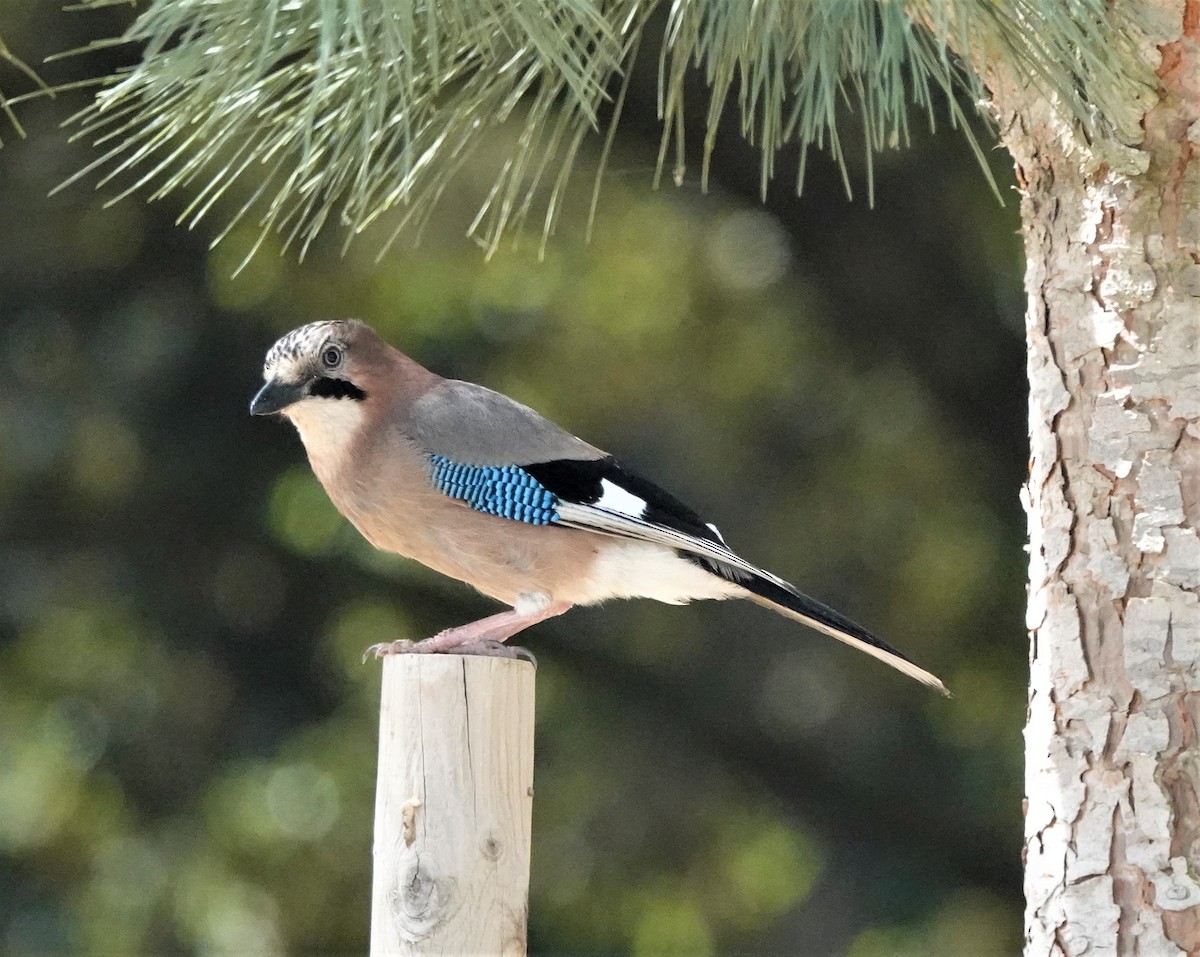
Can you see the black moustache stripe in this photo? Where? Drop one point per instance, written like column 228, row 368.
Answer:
column 336, row 389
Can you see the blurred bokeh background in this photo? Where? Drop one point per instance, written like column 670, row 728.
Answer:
column 187, row 730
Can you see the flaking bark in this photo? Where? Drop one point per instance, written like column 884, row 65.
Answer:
column 1112, row 234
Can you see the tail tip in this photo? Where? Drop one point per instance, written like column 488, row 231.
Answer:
column 934, row 682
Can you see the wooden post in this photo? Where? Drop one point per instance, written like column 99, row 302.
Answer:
column 453, row 805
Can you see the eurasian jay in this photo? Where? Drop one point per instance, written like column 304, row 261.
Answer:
column 484, row 489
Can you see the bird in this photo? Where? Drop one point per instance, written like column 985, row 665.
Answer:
column 486, row 490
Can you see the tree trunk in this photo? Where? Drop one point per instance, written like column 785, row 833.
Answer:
column 1112, row 234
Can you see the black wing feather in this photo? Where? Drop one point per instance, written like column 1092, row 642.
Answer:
column 580, row 481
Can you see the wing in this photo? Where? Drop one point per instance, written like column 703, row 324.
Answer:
column 597, row 495
column 471, row 424
column 594, row 494
column 503, row 458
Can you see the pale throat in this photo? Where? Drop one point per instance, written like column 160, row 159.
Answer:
column 328, row 429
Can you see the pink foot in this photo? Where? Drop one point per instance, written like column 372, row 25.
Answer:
column 483, row 637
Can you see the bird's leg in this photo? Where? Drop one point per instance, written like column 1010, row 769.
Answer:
column 480, row 637
column 496, row 628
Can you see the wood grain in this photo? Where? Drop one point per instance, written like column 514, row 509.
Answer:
column 453, row 806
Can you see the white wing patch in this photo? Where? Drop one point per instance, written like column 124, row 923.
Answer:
column 613, row 498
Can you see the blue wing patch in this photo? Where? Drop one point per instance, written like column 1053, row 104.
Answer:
column 504, row 490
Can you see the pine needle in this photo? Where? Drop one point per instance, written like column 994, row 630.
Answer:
column 338, row 111
column 6, row 105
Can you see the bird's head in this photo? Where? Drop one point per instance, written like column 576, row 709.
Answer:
column 315, row 368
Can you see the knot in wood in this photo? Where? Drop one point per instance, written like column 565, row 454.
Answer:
column 421, row 898
column 491, row 848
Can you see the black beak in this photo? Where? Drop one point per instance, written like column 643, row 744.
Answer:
column 275, row 397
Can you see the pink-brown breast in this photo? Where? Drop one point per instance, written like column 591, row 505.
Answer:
column 385, row 491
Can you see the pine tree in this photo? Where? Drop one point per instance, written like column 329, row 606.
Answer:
column 341, row 111
column 1112, row 237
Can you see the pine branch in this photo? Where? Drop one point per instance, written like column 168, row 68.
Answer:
column 339, row 110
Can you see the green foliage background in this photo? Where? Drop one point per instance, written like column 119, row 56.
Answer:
column 186, row 727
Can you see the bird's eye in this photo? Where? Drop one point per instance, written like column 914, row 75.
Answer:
column 331, row 357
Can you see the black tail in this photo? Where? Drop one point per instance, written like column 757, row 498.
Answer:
column 770, row 592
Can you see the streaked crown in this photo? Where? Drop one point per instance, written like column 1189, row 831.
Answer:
column 293, row 357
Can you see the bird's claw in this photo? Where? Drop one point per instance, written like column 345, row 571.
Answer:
column 401, row 647
column 496, row 649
